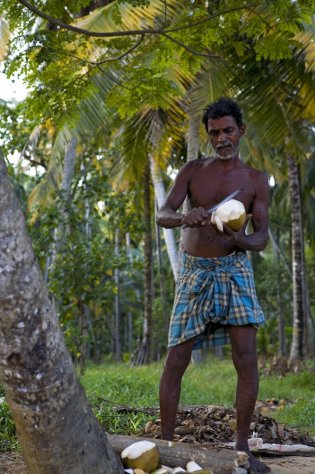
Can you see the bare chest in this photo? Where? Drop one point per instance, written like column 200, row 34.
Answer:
column 207, row 187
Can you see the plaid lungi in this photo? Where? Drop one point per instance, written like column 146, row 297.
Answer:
column 211, row 294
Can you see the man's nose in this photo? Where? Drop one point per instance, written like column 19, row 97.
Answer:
column 221, row 137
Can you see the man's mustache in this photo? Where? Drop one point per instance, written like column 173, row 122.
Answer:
column 223, row 145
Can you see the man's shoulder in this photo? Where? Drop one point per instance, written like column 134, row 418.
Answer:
column 198, row 162
column 255, row 173
column 193, row 165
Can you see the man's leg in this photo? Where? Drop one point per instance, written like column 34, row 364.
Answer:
column 177, row 360
column 243, row 339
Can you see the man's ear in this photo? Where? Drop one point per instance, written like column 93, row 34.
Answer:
column 243, row 129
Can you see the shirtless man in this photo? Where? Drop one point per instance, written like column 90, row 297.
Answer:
column 215, row 297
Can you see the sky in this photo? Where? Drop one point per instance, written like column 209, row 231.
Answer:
column 10, row 90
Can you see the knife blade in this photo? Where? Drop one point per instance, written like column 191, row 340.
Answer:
column 226, row 199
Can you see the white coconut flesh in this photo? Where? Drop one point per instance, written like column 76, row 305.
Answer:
column 161, row 470
column 192, row 466
column 142, row 454
column 232, row 213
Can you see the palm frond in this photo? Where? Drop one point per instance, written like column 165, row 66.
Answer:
column 5, row 36
column 124, row 16
column 307, row 39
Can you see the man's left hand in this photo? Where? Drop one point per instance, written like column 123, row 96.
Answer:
column 237, row 237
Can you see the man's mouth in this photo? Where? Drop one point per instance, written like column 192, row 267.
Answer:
column 223, row 147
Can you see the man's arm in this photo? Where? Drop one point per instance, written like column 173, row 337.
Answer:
column 258, row 239
column 167, row 215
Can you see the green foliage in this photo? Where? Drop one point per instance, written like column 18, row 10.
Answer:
column 212, row 382
column 111, row 386
column 301, row 415
column 81, row 275
column 8, row 441
column 103, row 386
column 77, row 83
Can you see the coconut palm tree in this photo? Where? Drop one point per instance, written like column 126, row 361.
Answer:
column 286, row 88
column 54, row 423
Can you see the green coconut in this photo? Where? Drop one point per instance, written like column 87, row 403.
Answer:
column 232, row 213
column 142, row 455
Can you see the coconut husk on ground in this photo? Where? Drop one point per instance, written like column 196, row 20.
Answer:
column 215, row 425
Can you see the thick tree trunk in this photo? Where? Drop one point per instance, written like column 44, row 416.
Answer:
column 298, row 266
column 55, row 425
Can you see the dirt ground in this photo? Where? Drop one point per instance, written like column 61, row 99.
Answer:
column 200, row 424
column 291, row 464
column 11, row 463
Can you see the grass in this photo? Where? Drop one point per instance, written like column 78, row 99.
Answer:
column 213, row 382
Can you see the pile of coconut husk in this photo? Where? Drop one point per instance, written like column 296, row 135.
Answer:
column 203, row 434
column 217, row 425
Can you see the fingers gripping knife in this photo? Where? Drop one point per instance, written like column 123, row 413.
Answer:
column 214, row 208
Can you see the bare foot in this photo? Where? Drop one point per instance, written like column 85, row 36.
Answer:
column 255, row 466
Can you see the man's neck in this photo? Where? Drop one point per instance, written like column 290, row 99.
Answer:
column 230, row 163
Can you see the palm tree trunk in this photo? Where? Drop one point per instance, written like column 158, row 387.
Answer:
column 118, row 353
column 129, row 314
column 168, row 234
column 160, row 194
column 55, row 426
column 85, row 319
column 61, row 230
column 143, row 353
column 298, row 266
column 193, row 143
column 281, row 323
column 193, row 137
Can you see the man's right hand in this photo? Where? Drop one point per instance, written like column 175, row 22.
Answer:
column 197, row 217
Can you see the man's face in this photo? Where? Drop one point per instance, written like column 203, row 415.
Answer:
column 225, row 134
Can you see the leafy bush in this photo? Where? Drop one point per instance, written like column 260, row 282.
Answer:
column 8, row 441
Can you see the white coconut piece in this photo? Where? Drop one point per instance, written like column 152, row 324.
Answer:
column 192, row 466
column 167, row 468
column 178, row 469
column 161, row 470
column 232, row 213
column 142, row 455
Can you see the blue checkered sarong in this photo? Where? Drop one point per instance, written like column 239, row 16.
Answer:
column 211, row 294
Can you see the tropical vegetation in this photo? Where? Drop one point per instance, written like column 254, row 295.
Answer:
column 116, row 91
